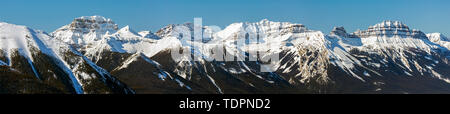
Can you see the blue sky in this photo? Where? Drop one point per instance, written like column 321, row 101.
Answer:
column 48, row 15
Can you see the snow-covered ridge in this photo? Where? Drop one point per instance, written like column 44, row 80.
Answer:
column 389, row 29
column 174, row 30
column 436, row 37
column 100, row 33
column 86, row 29
column 439, row 39
column 389, row 36
column 148, row 34
column 29, row 42
column 168, row 31
column 392, row 34
column 95, row 34
column 390, row 24
column 126, row 33
column 264, row 28
column 16, row 37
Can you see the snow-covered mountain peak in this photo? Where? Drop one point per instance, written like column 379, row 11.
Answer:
column 168, row 30
column 126, row 28
column 10, row 27
column 95, row 18
column 15, row 37
column 35, row 53
column 86, row 29
column 439, row 39
column 340, row 31
column 265, row 21
column 390, row 24
column 127, row 32
column 148, row 34
column 27, row 41
column 264, row 27
column 93, row 23
column 268, row 22
column 174, row 30
column 390, row 29
column 434, row 37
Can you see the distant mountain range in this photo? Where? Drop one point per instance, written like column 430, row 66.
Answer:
column 92, row 55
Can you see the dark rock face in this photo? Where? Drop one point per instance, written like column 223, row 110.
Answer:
column 340, row 31
column 14, row 82
column 92, row 23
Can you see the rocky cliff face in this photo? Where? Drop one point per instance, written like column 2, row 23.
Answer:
column 86, row 29
column 340, row 31
column 389, row 29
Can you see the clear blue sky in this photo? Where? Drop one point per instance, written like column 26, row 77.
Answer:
column 48, row 15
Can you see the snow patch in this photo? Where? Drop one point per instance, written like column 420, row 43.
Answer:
column 407, row 73
column 366, row 73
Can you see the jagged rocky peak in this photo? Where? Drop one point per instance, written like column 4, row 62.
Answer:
column 125, row 33
column 168, row 30
column 285, row 24
column 390, row 24
column 93, row 23
column 284, row 27
column 389, row 29
column 207, row 32
column 149, row 34
column 86, row 29
column 263, row 28
column 127, row 30
column 339, row 31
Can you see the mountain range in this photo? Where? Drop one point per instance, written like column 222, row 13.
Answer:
column 92, row 55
